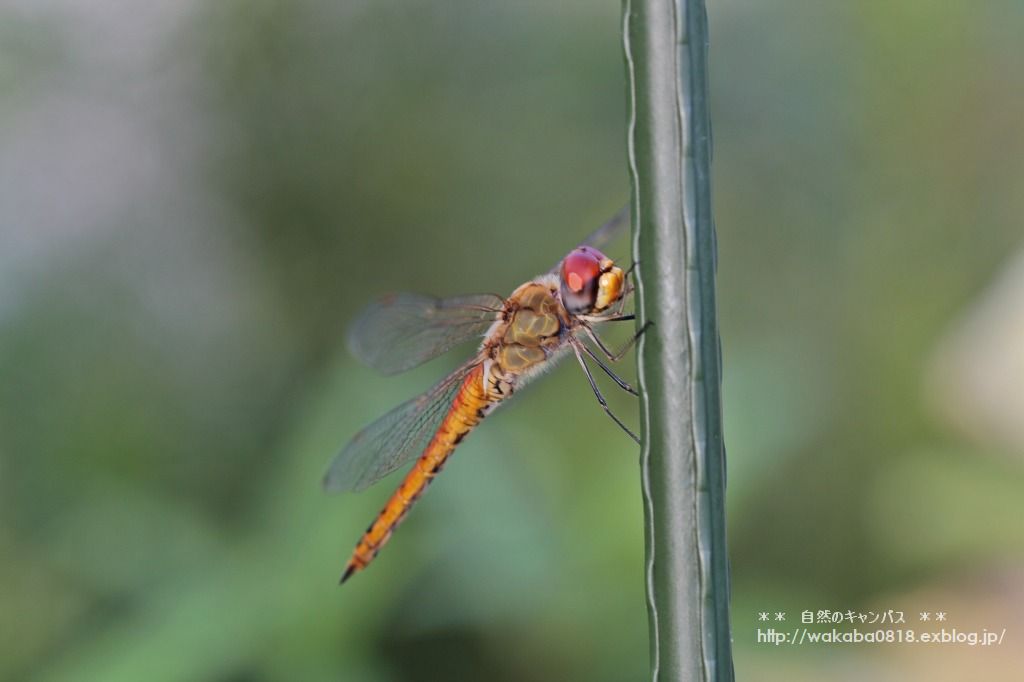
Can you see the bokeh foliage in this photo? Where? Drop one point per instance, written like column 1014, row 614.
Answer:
column 195, row 199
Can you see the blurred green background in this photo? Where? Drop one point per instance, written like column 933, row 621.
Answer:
column 195, row 198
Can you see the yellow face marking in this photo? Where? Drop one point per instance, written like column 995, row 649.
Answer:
column 609, row 286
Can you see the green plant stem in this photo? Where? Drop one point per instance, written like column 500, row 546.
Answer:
column 679, row 357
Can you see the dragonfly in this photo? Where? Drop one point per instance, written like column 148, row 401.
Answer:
column 523, row 335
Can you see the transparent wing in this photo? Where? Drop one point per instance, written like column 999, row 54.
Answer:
column 402, row 331
column 600, row 237
column 398, row 437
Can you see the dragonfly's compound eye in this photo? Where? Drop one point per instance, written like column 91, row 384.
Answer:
column 581, row 274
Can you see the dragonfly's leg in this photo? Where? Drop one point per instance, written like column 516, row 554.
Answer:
column 615, row 357
column 621, row 305
column 607, row 370
column 597, row 393
column 629, row 288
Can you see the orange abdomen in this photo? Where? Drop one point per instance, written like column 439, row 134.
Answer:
column 465, row 413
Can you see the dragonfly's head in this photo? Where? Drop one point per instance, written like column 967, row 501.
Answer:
column 591, row 282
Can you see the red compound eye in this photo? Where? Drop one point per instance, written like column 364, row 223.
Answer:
column 580, row 267
column 581, row 271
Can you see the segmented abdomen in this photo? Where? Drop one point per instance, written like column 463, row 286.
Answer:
column 468, row 408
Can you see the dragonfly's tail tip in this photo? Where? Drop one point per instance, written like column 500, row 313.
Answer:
column 347, row 574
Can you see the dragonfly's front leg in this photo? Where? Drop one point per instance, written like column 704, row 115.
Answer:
column 616, row 356
column 625, row 294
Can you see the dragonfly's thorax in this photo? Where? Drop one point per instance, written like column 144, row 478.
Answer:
column 528, row 331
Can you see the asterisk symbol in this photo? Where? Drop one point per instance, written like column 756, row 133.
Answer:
column 940, row 615
column 763, row 615
column 924, row 615
column 779, row 615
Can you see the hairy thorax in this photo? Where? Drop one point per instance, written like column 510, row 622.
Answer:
column 528, row 332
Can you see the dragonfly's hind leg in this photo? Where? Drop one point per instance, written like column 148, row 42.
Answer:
column 597, row 391
column 607, row 370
